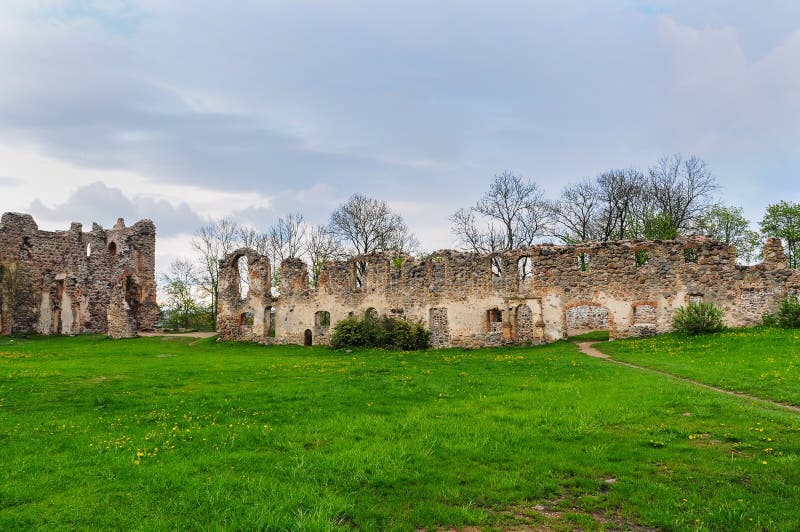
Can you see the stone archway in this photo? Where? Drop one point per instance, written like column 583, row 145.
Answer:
column 308, row 338
column 585, row 317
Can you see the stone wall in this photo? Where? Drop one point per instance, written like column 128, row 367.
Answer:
column 536, row 294
column 72, row 282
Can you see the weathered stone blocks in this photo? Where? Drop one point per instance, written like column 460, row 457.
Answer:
column 101, row 281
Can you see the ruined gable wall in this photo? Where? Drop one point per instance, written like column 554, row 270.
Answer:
column 459, row 298
column 74, row 276
column 244, row 318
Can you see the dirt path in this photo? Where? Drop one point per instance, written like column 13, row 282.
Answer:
column 196, row 334
column 588, row 348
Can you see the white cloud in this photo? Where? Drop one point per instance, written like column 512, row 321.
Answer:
column 723, row 100
column 106, row 204
column 272, row 107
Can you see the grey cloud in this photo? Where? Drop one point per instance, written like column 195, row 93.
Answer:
column 10, row 182
column 105, row 204
column 342, row 95
column 402, row 100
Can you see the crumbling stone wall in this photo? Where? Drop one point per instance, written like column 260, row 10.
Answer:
column 101, row 281
column 536, row 294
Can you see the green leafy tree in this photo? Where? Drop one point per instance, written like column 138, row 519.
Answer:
column 728, row 225
column 782, row 220
column 180, row 283
column 658, row 227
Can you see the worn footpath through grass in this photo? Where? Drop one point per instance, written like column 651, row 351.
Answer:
column 153, row 433
column 760, row 361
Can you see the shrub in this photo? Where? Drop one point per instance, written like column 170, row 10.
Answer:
column 371, row 331
column 787, row 316
column 698, row 318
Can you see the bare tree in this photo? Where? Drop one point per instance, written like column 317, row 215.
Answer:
column 512, row 213
column 251, row 238
column 364, row 225
column 320, row 247
column 483, row 237
column 681, row 190
column 214, row 241
column 577, row 212
column 620, row 193
column 287, row 236
column 517, row 207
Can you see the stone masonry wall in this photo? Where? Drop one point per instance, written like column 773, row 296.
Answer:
column 539, row 294
column 72, row 282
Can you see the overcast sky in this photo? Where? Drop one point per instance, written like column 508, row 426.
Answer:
column 183, row 110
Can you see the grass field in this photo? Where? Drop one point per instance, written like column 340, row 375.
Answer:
column 760, row 361
column 159, row 434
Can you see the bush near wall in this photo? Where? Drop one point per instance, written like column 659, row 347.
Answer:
column 386, row 332
column 698, row 318
column 787, row 316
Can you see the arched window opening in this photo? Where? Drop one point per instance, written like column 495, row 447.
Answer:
column 271, row 326
column 524, row 269
column 246, row 319
column 112, row 248
column 89, row 249
column 322, row 318
column 244, row 276
column 583, row 262
column 360, row 273
column 308, row 338
column 496, row 265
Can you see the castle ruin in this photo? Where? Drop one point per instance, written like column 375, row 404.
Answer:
column 529, row 295
column 72, row 282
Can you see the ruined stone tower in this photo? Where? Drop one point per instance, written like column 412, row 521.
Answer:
column 72, row 282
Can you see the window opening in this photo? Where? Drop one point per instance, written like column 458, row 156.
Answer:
column 244, row 276
column 360, row 273
column 583, row 262
column 524, row 268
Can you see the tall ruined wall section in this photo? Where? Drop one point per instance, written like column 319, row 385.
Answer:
column 536, row 294
column 72, row 282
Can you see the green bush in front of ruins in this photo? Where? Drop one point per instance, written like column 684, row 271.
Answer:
column 384, row 331
column 698, row 318
column 787, row 316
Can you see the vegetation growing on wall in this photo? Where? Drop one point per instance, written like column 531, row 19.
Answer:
column 787, row 316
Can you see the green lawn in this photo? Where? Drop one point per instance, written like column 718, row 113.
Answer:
column 157, row 434
column 759, row 361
